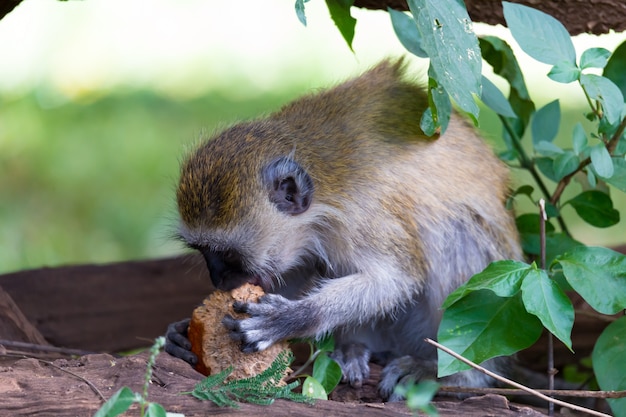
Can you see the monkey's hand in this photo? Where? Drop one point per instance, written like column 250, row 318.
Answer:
column 272, row 318
column 177, row 344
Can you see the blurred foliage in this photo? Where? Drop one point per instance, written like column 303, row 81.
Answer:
column 94, row 181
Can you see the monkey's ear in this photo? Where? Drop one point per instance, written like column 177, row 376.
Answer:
column 290, row 187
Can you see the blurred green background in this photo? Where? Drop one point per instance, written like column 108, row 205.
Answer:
column 100, row 100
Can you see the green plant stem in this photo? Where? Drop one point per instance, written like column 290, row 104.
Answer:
column 528, row 164
column 309, row 361
column 610, row 146
column 594, row 109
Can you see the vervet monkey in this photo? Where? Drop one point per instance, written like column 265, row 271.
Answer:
column 354, row 221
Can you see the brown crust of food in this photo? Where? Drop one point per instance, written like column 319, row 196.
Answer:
column 212, row 344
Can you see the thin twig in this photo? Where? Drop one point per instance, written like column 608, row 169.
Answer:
column 543, row 218
column 520, row 392
column 43, row 348
column 45, row 362
column 513, row 383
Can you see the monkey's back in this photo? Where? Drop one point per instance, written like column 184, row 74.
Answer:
column 436, row 203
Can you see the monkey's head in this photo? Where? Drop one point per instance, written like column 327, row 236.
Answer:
column 248, row 206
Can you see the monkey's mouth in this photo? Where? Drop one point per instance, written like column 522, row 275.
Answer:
column 257, row 280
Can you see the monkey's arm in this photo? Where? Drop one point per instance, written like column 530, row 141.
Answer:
column 177, row 344
column 349, row 300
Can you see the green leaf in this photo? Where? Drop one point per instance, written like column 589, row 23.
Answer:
column 340, row 13
column 419, row 396
column 618, row 180
column 117, row 404
column 504, row 278
column 595, row 207
column 545, row 123
column 448, row 39
column 564, row 72
column 500, row 56
column 155, row 410
column 439, row 102
column 313, row 389
column 594, row 58
column 545, row 299
column 482, row 326
column 546, row 166
column 603, row 90
column 548, row 149
column 598, row 275
column 601, row 161
column 327, row 372
column 406, row 30
column 609, row 362
column 300, row 11
column 615, row 69
column 327, row 344
column 427, row 124
column 579, row 139
column 493, row 97
column 565, row 164
column 540, row 35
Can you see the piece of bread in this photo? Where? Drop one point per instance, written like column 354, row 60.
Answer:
column 212, row 344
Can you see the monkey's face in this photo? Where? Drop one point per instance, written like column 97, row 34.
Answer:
column 251, row 222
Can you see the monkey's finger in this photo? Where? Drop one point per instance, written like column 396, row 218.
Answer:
column 231, row 323
column 181, row 353
column 241, row 307
column 176, row 334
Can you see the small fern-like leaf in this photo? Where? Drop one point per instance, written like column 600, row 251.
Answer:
column 261, row 389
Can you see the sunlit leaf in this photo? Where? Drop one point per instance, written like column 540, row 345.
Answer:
column 340, row 13
column 504, row 278
column 482, row 326
column 447, row 37
column 594, row 58
column 598, row 275
column 546, row 300
column 406, row 30
column 564, row 72
column 608, row 94
column 313, row 389
column 540, row 35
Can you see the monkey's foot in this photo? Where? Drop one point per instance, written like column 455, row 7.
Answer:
column 404, row 370
column 353, row 359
